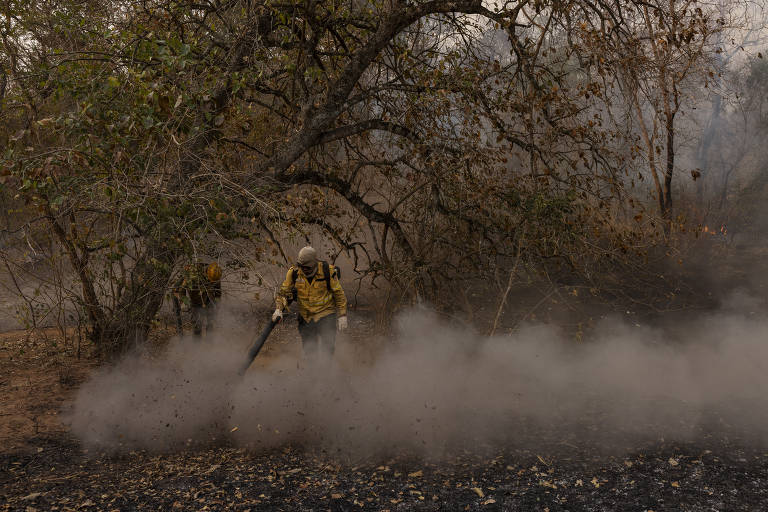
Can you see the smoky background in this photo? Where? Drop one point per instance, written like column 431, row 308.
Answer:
column 433, row 389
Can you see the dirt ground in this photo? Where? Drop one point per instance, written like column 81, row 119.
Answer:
column 44, row 467
column 38, row 376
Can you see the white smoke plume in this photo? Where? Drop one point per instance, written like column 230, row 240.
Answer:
column 433, row 388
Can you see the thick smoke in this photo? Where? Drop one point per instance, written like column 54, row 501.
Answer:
column 433, row 388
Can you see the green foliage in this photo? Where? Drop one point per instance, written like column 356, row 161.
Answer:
column 422, row 138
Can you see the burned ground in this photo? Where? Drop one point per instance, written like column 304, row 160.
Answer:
column 716, row 475
column 545, row 467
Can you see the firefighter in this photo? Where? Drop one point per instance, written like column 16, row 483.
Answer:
column 200, row 287
column 315, row 286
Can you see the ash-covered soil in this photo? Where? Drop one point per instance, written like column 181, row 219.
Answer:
column 545, row 468
column 712, row 475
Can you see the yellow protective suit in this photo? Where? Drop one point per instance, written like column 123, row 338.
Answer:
column 315, row 301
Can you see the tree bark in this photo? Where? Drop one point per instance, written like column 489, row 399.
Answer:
column 667, row 204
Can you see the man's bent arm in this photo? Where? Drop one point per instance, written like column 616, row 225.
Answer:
column 285, row 291
column 338, row 296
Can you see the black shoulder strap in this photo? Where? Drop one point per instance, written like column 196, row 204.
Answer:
column 294, row 293
column 327, row 274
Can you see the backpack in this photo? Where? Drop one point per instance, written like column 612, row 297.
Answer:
column 326, row 275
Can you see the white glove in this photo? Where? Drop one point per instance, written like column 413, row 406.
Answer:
column 277, row 315
column 341, row 323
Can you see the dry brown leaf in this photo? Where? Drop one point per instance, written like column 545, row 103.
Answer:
column 675, row 484
column 416, row 474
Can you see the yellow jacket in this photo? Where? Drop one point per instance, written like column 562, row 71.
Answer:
column 315, row 301
column 195, row 284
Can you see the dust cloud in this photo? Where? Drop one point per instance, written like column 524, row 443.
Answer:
column 434, row 388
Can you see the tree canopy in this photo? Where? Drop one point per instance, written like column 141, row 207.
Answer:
column 428, row 139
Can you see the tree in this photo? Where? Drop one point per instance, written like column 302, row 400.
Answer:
column 660, row 51
column 429, row 139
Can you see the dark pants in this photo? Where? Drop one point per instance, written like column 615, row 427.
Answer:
column 315, row 334
column 202, row 317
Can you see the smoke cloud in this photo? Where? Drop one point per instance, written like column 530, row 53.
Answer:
column 433, row 388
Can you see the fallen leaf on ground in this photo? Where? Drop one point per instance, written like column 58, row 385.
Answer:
column 545, row 483
column 479, row 492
